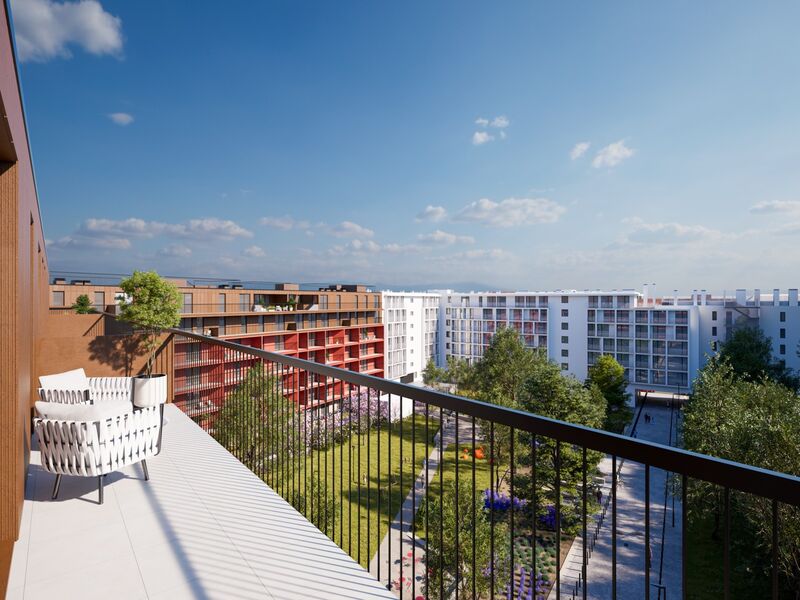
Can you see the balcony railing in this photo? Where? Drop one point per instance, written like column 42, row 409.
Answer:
column 369, row 459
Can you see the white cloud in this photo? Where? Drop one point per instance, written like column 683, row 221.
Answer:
column 612, row 155
column 432, row 213
column 209, row 227
column 500, row 122
column 216, row 228
column 668, row 233
column 579, row 150
column 254, row 252
column 481, row 122
column 355, row 247
column 46, row 29
column 121, row 118
column 481, row 137
column 176, row 251
column 776, row 206
column 351, row 230
column 511, row 212
column 82, row 242
column 285, row 222
column 444, row 238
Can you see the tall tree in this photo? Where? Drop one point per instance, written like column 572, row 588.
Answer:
column 609, row 376
column 432, row 374
column 755, row 422
column 83, row 305
column 549, row 393
column 748, row 352
column 505, row 367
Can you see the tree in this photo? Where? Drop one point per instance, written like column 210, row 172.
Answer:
column 259, row 425
column 456, row 558
column 549, row 393
column 609, row 376
column 749, row 354
column 460, row 372
column 756, row 422
column 505, row 367
column 83, row 305
column 432, row 374
column 153, row 304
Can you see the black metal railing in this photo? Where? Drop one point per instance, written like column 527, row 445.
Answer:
column 445, row 497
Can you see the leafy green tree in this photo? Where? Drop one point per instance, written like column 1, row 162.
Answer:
column 152, row 304
column 83, row 305
column 749, row 353
column 609, row 376
column 505, row 367
column 432, row 374
column 549, row 393
column 756, row 422
column 259, row 426
column 456, row 558
column 460, row 372
column 318, row 503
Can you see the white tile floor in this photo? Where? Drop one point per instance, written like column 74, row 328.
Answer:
column 203, row 527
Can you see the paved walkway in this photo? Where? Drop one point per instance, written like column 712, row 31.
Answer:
column 403, row 541
column 665, row 539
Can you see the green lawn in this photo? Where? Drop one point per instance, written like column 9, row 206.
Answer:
column 355, row 469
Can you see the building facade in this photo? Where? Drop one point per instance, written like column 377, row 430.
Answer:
column 411, row 325
column 339, row 325
column 662, row 342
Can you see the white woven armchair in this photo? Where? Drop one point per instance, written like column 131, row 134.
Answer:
column 89, row 427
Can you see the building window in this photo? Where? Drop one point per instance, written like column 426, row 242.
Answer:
column 565, row 339
column 58, row 298
column 713, row 315
column 564, row 326
column 100, row 301
column 187, row 303
column 221, row 303
column 338, row 301
column 783, row 349
column 564, row 366
column 783, row 317
column 244, row 301
column 783, row 333
column 714, row 346
column 564, row 312
column 564, row 353
column 714, row 331
column 564, row 299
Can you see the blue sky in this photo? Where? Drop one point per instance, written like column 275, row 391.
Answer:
column 520, row 145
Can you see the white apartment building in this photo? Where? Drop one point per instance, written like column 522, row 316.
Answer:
column 411, row 332
column 660, row 341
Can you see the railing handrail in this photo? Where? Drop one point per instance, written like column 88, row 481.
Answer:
column 746, row 478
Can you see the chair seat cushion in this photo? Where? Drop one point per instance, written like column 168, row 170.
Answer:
column 82, row 412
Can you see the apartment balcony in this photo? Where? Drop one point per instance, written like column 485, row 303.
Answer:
column 204, row 526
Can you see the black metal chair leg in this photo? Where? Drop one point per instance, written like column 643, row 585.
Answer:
column 100, row 488
column 144, row 468
column 57, row 485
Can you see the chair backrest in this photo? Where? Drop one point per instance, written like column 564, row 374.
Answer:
column 63, row 396
column 68, row 380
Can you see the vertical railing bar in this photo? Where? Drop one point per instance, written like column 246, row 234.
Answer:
column 535, row 500
column 350, row 471
column 413, row 498
column 369, row 484
column 726, row 551
column 512, row 570
column 585, row 516
column 492, row 493
column 341, row 464
column 774, row 573
column 358, row 527
column 457, row 573
column 427, row 502
column 389, row 476
column 441, row 502
column 558, row 519
column 684, row 538
column 380, row 518
column 647, row 556
column 400, row 540
column 472, row 504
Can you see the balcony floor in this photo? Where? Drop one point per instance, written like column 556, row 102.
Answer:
column 203, row 527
